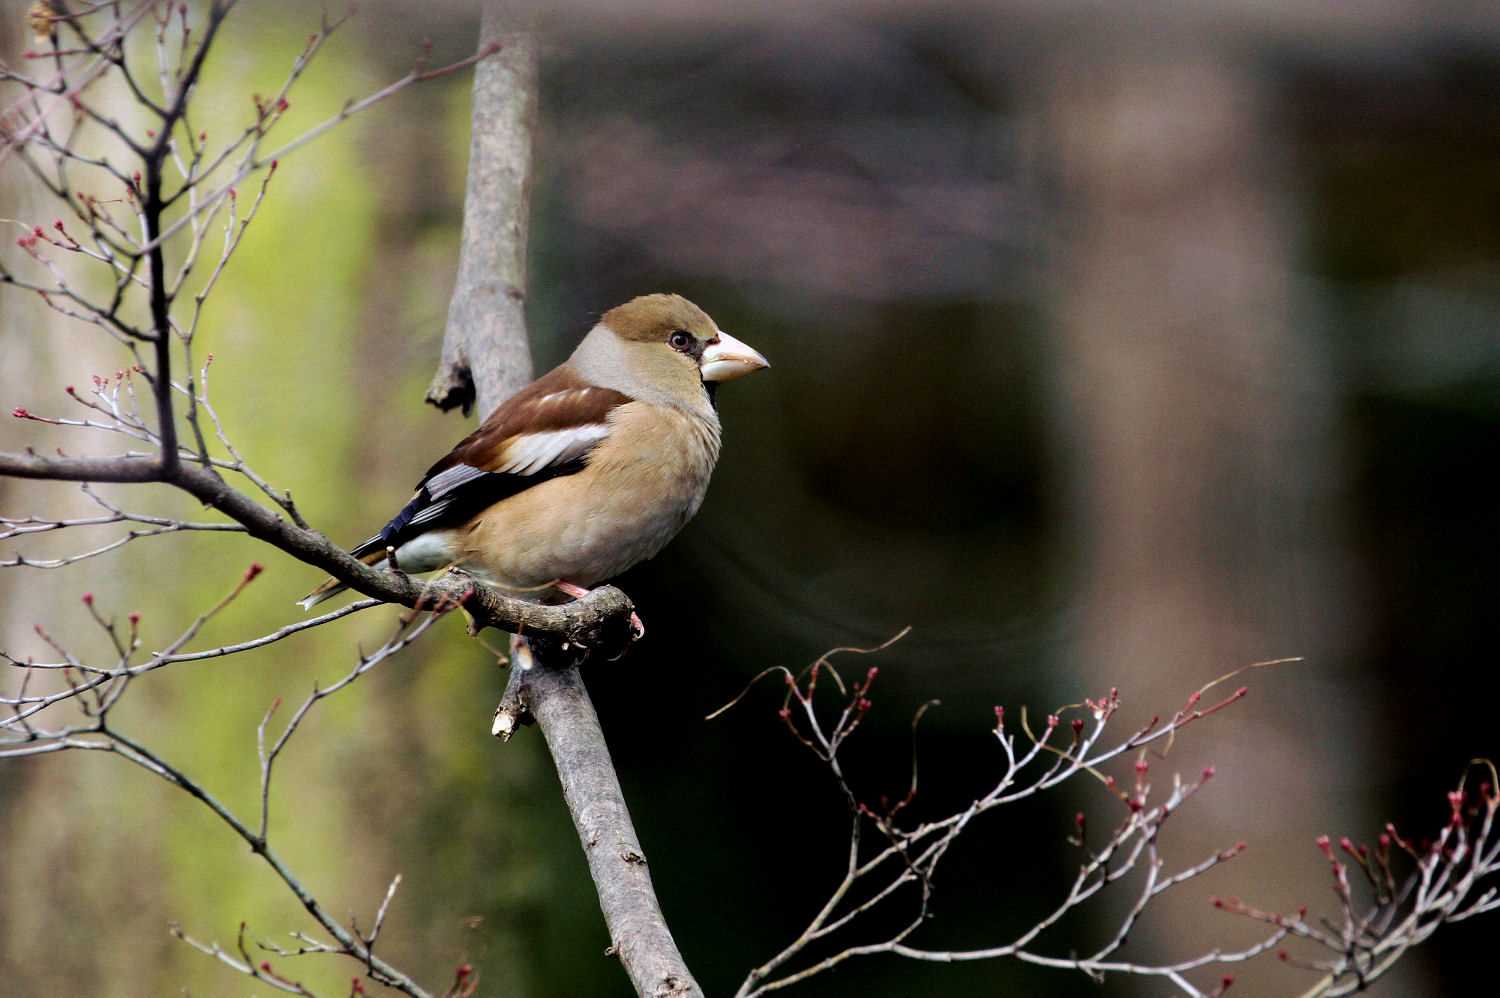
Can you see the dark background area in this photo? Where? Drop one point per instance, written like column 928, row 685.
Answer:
column 1108, row 351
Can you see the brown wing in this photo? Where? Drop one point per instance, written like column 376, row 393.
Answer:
column 544, row 431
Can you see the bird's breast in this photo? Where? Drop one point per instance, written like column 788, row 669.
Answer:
column 641, row 486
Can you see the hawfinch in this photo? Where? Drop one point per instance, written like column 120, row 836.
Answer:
column 588, row 470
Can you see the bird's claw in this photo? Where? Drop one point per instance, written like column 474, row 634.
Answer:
column 637, row 631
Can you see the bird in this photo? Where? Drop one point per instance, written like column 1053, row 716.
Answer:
column 589, row 470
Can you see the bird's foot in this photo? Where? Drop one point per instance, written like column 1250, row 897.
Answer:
column 637, row 628
column 637, row 631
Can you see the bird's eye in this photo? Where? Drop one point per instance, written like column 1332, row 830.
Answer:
column 680, row 341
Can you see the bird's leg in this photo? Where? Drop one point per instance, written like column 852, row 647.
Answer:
column 637, row 629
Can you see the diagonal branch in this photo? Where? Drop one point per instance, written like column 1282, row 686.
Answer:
column 593, row 622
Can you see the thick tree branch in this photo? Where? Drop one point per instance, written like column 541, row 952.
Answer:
column 81, row 469
column 593, row 623
column 638, row 934
column 486, row 358
column 486, row 355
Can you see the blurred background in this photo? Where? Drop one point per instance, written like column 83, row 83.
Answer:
column 1111, row 349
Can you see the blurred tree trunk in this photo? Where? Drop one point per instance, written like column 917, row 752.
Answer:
column 48, row 881
column 1198, row 446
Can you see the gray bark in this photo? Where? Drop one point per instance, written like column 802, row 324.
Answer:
column 486, row 354
column 486, row 358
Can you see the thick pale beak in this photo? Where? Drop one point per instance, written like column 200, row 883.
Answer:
column 726, row 358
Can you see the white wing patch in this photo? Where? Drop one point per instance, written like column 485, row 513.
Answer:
column 449, row 479
column 528, row 453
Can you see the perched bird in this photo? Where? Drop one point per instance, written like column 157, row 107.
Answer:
column 585, row 472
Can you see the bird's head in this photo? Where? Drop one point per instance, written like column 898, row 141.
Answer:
column 669, row 341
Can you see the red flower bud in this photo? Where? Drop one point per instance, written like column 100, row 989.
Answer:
column 1208, row 773
column 20, row 413
column 88, row 599
column 135, row 619
column 255, row 569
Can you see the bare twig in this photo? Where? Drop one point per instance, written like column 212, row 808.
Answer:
column 906, row 857
column 99, row 735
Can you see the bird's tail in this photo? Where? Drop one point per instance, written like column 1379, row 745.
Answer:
column 332, row 587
